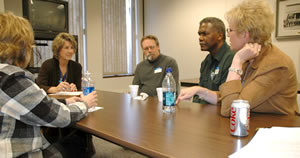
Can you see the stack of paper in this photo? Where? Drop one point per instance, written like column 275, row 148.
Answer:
column 77, row 93
column 275, row 142
column 94, row 108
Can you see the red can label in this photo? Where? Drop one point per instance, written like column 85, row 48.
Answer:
column 240, row 118
column 233, row 120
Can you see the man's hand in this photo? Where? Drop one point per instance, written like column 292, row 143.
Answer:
column 188, row 93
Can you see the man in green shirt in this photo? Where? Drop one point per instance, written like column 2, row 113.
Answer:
column 214, row 68
column 150, row 73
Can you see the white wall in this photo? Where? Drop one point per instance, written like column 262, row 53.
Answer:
column 176, row 23
column 1, row 6
column 94, row 51
column 14, row 6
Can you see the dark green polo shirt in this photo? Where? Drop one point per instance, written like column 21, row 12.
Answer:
column 214, row 70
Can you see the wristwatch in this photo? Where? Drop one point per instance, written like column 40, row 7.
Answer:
column 236, row 70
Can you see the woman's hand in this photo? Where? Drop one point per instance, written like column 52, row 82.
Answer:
column 73, row 100
column 248, row 52
column 91, row 99
column 73, row 87
column 63, row 87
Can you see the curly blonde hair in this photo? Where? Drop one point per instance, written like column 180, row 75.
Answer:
column 254, row 16
column 59, row 41
column 16, row 40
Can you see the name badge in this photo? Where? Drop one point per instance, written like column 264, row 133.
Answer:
column 217, row 70
column 214, row 73
column 158, row 70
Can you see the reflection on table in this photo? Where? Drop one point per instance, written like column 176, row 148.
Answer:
column 195, row 130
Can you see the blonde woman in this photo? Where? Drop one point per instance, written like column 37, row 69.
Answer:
column 260, row 72
column 61, row 73
column 24, row 107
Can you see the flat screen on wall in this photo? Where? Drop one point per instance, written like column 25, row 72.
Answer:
column 47, row 17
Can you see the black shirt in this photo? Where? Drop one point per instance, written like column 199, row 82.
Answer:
column 214, row 70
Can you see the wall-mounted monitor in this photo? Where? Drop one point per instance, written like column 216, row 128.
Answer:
column 47, row 17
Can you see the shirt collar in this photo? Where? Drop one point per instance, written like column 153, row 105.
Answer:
column 221, row 52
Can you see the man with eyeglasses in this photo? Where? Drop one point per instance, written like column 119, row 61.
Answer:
column 150, row 73
column 214, row 68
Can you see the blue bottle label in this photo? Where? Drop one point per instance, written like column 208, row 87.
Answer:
column 87, row 90
column 169, row 98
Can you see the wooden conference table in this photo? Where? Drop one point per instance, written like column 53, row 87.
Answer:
column 195, row 130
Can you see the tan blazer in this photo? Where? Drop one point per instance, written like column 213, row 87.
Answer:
column 270, row 84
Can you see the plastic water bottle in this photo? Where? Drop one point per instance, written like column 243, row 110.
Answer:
column 169, row 92
column 87, row 83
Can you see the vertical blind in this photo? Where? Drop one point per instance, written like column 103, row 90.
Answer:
column 118, row 31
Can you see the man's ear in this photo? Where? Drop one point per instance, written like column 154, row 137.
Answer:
column 220, row 36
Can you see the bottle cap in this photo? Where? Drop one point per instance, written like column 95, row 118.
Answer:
column 169, row 69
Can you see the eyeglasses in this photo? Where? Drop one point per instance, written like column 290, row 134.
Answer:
column 147, row 48
column 228, row 30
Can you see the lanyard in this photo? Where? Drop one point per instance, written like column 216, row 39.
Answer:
column 62, row 78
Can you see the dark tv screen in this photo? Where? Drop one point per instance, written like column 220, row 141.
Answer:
column 47, row 17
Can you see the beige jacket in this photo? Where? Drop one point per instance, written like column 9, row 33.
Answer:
column 270, row 85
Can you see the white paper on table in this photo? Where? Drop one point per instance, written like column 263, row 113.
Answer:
column 68, row 93
column 275, row 142
column 95, row 108
column 142, row 96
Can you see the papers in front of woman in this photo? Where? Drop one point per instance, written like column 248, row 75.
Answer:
column 94, row 108
column 77, row 93
column 275, row 142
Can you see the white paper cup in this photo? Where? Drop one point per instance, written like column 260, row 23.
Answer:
column 159, row 94
column 133, row 90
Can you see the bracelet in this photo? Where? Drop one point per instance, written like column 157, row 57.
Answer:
column 236, row 70
column 205, row 94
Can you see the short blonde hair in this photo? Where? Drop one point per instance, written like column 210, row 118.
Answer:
column 16, row 40
column 254, row 16
column 59, row 41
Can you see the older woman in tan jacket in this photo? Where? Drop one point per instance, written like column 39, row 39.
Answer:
column 260, row 72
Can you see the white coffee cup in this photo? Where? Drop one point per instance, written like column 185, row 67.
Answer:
column 134, row 90
column 159, row 94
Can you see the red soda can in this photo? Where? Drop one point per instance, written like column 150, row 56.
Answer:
column 240, row 118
